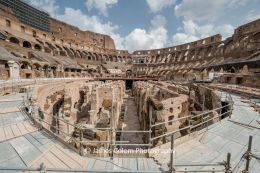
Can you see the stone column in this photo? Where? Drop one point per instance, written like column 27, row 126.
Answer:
column 14, row 70
column 92, row 117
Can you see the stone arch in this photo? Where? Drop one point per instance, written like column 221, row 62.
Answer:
column 36, row 66
column 58, row 47
column 78, row 54
column 115, row 58
column 50, row 46
column 233, row 70
column 228, row 46
column 209, row 51
column 25, row 65
column 110, row 58
column 245, row 69
column 73, row 52
column 37, row 47
column 95, row 56
column 6, row 65
column 105, row 57
column 256, row 37
column 27, row 44
column 47, row 50
column 99, row 57
column 88, row 56
column 157, row 58
column 119, row 59
column 192, row 54
column 14, row 40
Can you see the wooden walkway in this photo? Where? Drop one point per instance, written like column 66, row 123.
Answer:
column 23, row 145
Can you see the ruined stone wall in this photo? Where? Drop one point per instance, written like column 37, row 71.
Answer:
column 165, row 104
column 67, row 94
column 240, row 79
column 73, row 35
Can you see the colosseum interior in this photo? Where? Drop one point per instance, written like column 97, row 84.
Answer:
column 82, row 93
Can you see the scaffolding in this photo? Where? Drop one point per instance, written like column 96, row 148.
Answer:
column 29, row 15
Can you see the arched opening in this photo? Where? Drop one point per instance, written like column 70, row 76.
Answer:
column 50, row 45
column 239, row 80
column 129, row 84
column 62, row 53
column 22, row 66
column 95, row 56
column 115, row 59
column 47, row 50
column 27, row 44
column 170, row 118
column 128, row 73
column 78, row 54
column 37, row 47
column 25, row 65
column 34, row 33
column 58, row 47
column 6, row 65
column 36, row 66
column 232, row 70
column 8, row 23
column 14, row 40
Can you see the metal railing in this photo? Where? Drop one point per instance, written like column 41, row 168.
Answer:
column 48, row 119
column 45, row 122
column 207, row 167
column 224, row 166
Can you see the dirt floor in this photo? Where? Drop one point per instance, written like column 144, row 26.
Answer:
column 131, row 122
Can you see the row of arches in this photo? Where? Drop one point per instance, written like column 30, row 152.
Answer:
column 178, row 56
column 66, row 51
column 229, row 47
column 25, row 44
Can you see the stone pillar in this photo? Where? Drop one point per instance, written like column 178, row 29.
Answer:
column 92, row 117
column 14, row 70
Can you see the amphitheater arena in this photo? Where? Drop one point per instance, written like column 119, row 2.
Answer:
column 66, row 94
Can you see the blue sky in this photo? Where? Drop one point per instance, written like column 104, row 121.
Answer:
column 149, row 24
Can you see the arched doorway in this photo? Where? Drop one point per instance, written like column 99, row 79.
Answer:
column 14, row 40
column 128, row 73
column 37, row 47
column 27, row 44
column 232, row 70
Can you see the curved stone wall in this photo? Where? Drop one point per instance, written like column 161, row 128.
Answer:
column 69, row 52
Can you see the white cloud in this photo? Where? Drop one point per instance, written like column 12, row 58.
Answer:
column 181, row 38
column 226, row 30
column 158, row 5
column 155, row 37
column 85, row 22
column 46, row 5
column 191, row 31
column 201, row 10
column 138, row 39
column 101, row 5
column 91, row 23
column 158, row 21
column 253, row 15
